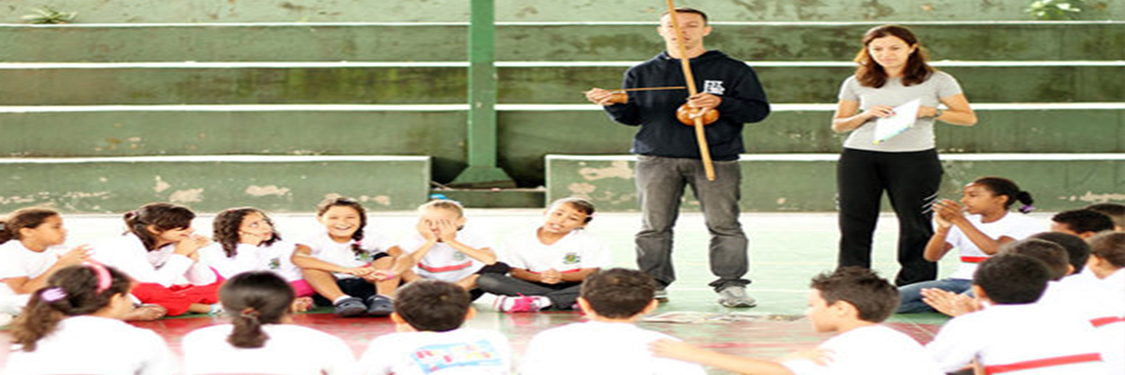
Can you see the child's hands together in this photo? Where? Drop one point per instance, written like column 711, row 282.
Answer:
column 949, row 303
column 551, row 276
column 189, row 247
column 947, row 211
column 75, row 256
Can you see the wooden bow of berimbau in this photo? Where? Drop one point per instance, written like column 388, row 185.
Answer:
column 693, row 113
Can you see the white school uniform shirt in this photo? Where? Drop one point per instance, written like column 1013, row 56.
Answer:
column 1014, row 225
column 290, row 350
column 460, row 351
column 600, row 348
column 323, row 247
column 575, row 251
column 16, row 260
column 1015, row 335
column 872, row 350
column 274, row 257
column 161, row 266
column 445, row 263
column 92, row 345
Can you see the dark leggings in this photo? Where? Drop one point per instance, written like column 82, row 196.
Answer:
column 911, row 180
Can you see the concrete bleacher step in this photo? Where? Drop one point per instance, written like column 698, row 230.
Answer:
column 526, row 132
column 213, row 183
column 538, row 41
column 540, row 82
column 806, row 182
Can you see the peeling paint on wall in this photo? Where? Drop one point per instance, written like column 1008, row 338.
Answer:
column 261, row 191
column 383, row 200
column 1091, row 197
column 161, row 186
column 186, row 196
column 581, row 189
column 618, row 169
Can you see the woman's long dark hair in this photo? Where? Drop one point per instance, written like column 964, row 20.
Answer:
column 870, row 74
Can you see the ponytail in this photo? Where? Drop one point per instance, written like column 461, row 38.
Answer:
column 259, row 297
column 31, row 217
column 247, row 331
column 1005, row 187
column 71, row 291
column 162, row 216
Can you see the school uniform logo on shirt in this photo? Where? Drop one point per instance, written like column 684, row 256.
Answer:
column 571, row 258
column 432, row 358
column 275, row 263
column 713, row 87
column 363, row 257
column 458, row 256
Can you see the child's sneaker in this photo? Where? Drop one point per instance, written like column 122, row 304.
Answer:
column 380, row 306
column 349, row 307
column 521, row 304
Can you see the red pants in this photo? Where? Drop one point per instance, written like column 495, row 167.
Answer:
column 177, row 298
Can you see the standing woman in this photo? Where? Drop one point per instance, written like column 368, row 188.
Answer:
column 892, row 71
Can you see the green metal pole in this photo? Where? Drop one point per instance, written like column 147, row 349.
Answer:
column 482, row 147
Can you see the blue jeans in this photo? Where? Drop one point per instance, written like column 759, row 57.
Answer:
column 912, row 294
column 660, row 189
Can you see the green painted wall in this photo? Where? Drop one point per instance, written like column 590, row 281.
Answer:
column 106, row 186
column 570, row 42
column 811, row 185
column 161, row 11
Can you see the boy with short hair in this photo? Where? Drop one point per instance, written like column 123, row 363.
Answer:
column 1107, row 263
column 428, row 317
column 610, row 342
column 1116, row 212
column 1081, row 223
column 851, row 301
column 1013, row 333
column 1077, row 250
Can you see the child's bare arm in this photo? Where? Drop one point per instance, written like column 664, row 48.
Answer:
column 447, row 233
column 302, row 257
column 525, row 275
column 577, row 277
column 687, row 352
column 405, row 262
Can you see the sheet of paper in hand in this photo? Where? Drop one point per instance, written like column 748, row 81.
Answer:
column 905, row 115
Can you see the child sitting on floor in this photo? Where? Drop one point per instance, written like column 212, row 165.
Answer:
column 246, row 240
column 977, row 236
column 72, row 325
column 260, row 339
column 32, row 248
column 610, row 342
column 346, row 264
column 444, row 250
column 851, row 302
column 548, row 262
column 428, row 317
column 159, row 249
column 1012, row 332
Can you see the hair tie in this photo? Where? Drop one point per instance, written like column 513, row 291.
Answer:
column 105, row 280
column 1027, row 208
column 52, row 294
column 249, row 313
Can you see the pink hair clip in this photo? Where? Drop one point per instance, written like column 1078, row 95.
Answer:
column 52, row 294
column 104, row 278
